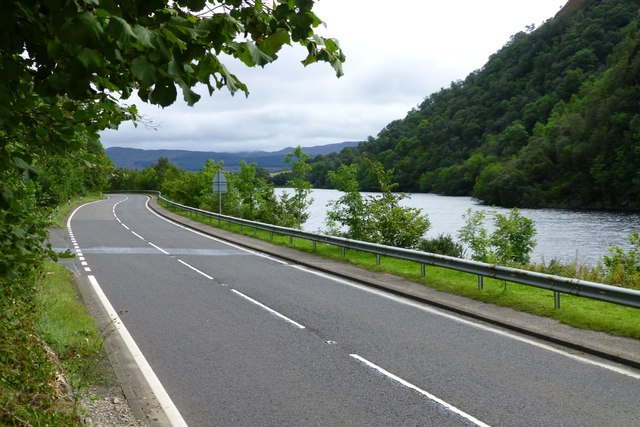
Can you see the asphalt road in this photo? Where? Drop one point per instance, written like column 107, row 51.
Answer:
column 239, row 338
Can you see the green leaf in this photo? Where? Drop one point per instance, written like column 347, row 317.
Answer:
column 143, row 70
column 189, row 95
column 163, row 94
column 90, row 58
column 144, row 36
column 87, row 29
column 258, row 57
column 272, row 44
column 121, row 31
column 305, row 5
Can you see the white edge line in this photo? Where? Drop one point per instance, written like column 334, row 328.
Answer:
column 270, row 310
column 213, row 238
column 195, row 269
column 158, row 390
column 494, row 330
column 430, row 396
column 581, row 359
column 154, row 383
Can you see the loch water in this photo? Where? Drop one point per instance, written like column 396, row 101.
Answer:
column 566, row 235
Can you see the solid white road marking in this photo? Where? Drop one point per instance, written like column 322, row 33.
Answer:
column 206, row 236
column 167, row 405
column 428, row 395
column 270, row 310
column 581, row 359
column 195, row 269
column 154, row 383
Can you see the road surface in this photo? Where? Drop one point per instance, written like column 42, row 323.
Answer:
column 239, row 338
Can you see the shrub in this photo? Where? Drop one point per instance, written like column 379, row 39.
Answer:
column 443, row 245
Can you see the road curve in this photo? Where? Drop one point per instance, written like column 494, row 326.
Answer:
column 239, row 338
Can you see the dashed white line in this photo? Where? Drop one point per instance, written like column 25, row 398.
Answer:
column 420, row 306
column 195, row 269
column 428, row 395
column 270, row 310
column 137, row 235
column 159, row 248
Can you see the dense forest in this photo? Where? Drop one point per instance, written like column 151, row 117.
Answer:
column 551, row 120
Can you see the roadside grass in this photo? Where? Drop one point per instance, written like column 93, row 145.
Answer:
column 66, row 325
column 45, row 331
column 59, row 214
column 578, row 312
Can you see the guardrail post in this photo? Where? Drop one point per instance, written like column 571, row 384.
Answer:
column 291, row 240
column 480, row 282
column 344, row 251
column 255, row 231
column 271, row 234
column 423, row 269
column 241, row 228
column 378, row 259
column 556, row 299
column 314, row 246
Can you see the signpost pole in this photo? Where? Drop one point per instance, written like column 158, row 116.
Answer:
column 219, row 186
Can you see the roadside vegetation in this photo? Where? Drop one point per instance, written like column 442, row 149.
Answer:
column 49, row 344
column 574, row 311
column 380, row 219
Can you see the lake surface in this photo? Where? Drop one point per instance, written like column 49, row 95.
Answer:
column 562, row 234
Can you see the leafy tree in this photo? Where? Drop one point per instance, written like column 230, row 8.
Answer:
column 553, row 116
column 623, row 267
column 510, row 242
column 513, row 238
column 349, row 211
column 295, row 207
column 389, row 223
column 68, row 66
column 475, row 235
column 378, row 219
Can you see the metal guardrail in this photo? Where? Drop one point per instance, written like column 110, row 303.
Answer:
column 557, row 284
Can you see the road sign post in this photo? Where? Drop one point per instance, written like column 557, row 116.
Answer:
column 219, row 186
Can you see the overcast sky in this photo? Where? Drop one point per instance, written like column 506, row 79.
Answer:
column 398, row 53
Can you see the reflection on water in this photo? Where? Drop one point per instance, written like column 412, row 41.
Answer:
column 562, row 234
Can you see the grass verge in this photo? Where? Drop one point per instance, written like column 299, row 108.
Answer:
column 60, row 213
column 574, row 311
column 42, row 336
column 45, row 331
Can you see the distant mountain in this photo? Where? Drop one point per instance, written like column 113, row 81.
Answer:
column 134, row 158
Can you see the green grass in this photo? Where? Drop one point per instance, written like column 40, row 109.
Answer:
column 45, row 330
column 574, row 311
column 59, row 214
column 68, row 328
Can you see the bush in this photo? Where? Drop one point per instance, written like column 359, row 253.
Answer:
column 623, row 267
column 443, row 245
column 510, row 243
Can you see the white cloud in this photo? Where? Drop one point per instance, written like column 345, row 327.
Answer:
column 397, row 54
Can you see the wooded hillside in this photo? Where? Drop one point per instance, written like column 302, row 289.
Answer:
column 551, row 120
